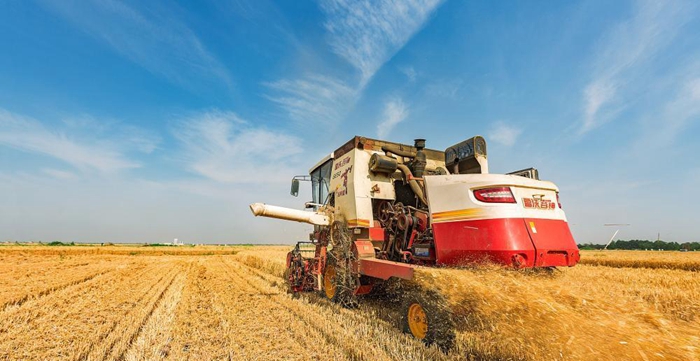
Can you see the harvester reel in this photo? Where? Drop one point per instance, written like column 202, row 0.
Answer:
column 295, row 275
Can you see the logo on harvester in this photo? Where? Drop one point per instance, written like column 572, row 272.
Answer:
column 343, row 190
column 538, row 203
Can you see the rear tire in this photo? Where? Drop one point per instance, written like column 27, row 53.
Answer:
column 425, row 316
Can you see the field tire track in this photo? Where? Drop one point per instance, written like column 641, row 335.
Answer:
column 350, row 351
column 198, row 332
column 302, row 335
column 111, row 348
column 85, row 354
column 156, row 304
column 147, row 295
column 159, row 321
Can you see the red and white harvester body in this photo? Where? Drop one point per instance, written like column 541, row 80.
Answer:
column 381, row 209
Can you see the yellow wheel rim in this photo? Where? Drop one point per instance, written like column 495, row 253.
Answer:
column 329, row 281
column 417, row 321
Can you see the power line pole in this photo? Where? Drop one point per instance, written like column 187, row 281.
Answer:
column 614, row 234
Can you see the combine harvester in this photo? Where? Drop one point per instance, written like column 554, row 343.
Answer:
column 382, row 209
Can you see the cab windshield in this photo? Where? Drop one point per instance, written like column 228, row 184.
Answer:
column 320, row 182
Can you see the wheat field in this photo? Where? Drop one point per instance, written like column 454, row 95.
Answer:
column 230, row 303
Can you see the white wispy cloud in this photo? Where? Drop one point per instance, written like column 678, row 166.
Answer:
column 395, row 112
column 596, row 95
column 623, row 57
column 504, row 134
column 366, row 34
column 314, row 98
column 222, row 147
column 677, row 114
column 444, row 88
column 409, row 72
column 112, row 131
column 59, row 174
column 682, row 110
column 104, row 151
column 163, row 45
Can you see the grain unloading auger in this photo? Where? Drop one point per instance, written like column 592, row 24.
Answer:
column 381, row 209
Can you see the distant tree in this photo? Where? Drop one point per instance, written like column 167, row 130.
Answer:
column 637, row 244
column 690, row 246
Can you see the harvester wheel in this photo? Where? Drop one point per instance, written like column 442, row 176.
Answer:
column 337, row 285
column 330, row 289
column 340, row 260
column 426, row 317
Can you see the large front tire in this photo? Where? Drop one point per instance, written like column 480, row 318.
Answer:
column 426, row 316
column 330, row 288
column 340, row 260
column 338, row 285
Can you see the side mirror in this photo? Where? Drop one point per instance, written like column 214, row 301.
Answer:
column 295, row 187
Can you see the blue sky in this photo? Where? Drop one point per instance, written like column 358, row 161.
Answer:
column 148, row 121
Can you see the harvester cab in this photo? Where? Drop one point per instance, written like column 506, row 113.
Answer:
column 380, row 209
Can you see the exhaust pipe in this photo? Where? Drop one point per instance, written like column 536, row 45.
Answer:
column 266, row 210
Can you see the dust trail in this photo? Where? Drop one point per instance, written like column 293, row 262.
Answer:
column 504, row 314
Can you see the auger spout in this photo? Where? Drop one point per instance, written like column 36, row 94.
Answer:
column 266, row 210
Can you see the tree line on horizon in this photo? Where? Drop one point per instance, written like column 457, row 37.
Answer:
column 638, row 244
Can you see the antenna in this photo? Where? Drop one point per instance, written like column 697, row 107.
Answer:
column 616, row 231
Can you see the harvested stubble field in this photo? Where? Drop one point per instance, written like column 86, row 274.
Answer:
column 202, row 303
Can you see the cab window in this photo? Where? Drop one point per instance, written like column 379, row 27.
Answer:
column 320, row 182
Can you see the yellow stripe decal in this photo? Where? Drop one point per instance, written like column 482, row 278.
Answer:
column 457, row 215
column 358, row 223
